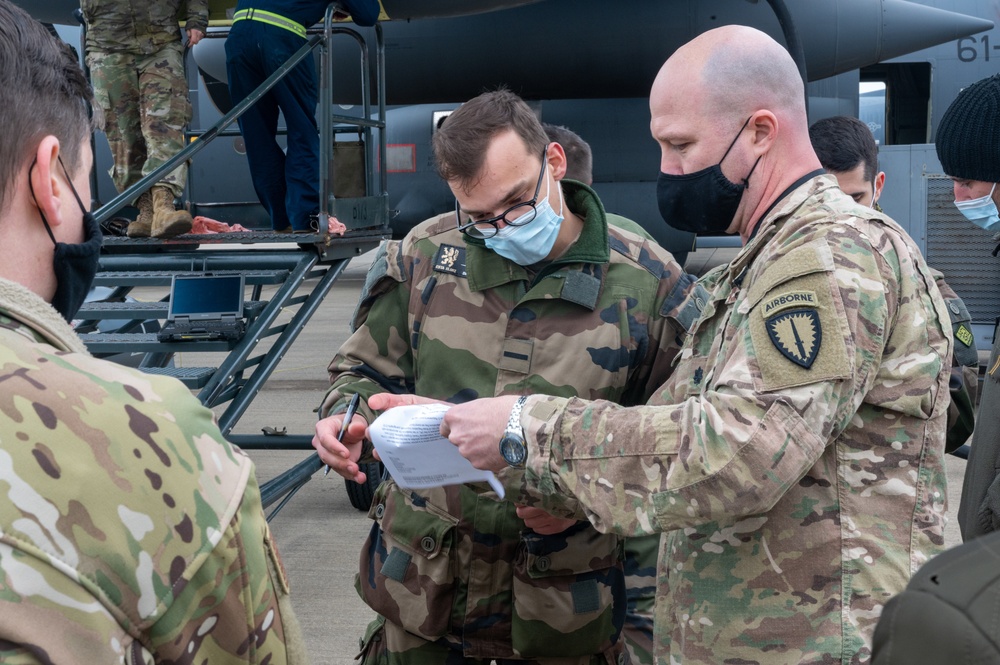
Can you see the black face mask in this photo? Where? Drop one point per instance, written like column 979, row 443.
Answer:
column 75, row 265
column 704, row 201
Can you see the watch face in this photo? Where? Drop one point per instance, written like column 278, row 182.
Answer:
column 513, row 449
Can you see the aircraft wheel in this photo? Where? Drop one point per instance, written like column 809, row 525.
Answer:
column 361, row 494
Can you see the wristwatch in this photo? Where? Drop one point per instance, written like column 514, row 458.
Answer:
column 512, row 442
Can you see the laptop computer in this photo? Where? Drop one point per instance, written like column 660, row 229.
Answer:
column 204, row 307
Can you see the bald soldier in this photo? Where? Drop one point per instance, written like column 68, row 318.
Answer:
column 130, row 530
column 794, row 459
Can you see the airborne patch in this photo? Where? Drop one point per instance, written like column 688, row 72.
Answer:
column 963, row 335
column 797, row 334
column 451, row 260
column 790, row 299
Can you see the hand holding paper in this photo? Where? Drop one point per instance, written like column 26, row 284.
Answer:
column 409, row 442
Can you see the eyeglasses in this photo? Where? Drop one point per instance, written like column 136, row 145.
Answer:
column 516, row 215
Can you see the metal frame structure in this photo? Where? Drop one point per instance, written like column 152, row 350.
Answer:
column 303, row 266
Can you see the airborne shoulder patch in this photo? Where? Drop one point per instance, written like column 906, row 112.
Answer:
column 797, row 334
column 451, row 260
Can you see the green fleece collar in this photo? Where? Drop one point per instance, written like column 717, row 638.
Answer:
column 487, row 269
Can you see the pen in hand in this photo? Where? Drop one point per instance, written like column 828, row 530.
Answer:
column 352, row 408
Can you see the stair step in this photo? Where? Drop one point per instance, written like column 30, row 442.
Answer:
column 164, row 277
column 192, row 377
column 147, row 342
column 141, row 310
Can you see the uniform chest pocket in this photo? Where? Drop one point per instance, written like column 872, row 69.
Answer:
column 406, row 572
column 569, row 593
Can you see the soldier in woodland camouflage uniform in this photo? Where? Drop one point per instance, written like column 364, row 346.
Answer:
column 582, row 307
column 136, row 62
column 130, row 530
column 641, row 552
column 794, row 459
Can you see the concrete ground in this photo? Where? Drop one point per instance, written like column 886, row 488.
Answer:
column 318, row 532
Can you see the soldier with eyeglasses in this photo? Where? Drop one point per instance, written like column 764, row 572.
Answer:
column 529, row 286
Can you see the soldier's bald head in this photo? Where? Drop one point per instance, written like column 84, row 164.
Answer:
column 733, row 71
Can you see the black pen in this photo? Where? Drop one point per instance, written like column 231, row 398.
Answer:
column 352, row 408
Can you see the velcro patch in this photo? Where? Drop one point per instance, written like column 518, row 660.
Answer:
column 964, row 335
column 799, row 346
column 396, row 564
column 797, row 334
column 586, row 596
column 450, row 259
column 783, row 301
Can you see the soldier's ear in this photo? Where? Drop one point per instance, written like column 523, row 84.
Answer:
column 764, row 125
column 556, row 156
column 45, row 183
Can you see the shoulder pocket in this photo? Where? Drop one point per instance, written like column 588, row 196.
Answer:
column 385, row 271
column 797, row 321
column 961, row 327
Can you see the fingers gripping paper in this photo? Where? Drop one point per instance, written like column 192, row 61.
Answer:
column 409, row 442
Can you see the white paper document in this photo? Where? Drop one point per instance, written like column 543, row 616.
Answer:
column 409, row 442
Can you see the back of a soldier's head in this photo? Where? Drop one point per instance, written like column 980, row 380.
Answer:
column 843, row 143
column 968, row 136
column 461, row 142
column 579, row 160
column 43, row 91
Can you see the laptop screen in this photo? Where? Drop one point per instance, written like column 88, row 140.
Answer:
column 206, row 296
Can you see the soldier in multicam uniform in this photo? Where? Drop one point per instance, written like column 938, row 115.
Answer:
column 562, row 299
column 136, row 62
column 847, row 149
column 794, row 459
column 130, row 530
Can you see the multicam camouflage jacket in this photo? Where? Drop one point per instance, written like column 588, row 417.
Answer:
column 447, row 318
column 130, row 531
column 794, row 459
column 140, row 26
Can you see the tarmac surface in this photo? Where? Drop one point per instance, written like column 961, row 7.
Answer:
column 318, row 532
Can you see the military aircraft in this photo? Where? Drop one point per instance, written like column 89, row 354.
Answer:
column 584, row 64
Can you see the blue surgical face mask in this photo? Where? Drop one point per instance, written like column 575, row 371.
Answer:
column 528, row 244
column 982, row 211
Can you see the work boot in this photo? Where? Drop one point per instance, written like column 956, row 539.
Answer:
column 142, row 227
column 168, row 221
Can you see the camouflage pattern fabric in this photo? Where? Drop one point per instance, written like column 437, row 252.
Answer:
column 793, row 460
column 964, row 381
column 141, row 27
column 136, row 61
column 444, row 317
column 130, row 530
column 145, row 103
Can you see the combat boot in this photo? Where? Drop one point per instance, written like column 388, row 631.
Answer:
column 142, row 227
column 167, row 221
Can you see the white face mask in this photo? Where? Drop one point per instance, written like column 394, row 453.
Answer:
column 982, row 211
column 530, row 243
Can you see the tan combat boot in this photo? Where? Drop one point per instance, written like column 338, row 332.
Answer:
column 142, row 227
column 167, row 221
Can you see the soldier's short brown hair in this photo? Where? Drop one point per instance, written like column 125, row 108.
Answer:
column 461, row 142
column 43, row 92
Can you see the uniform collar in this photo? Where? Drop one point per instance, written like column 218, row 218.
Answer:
column 487, row 269
column 774, row 217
